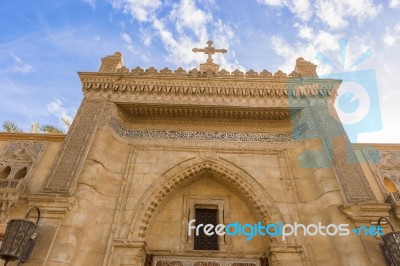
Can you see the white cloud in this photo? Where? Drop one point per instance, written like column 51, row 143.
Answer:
column 321, row 42
column 336, row 13
column 394, row 4
column 188, row 16
column 305, row 32
column 272, row 2
column 301, row 8
column 391, row 36
column 57, row 109
column 19, row 66
column 182, row 28
column 128, row 42
column 389, row 39
column 141, row 10
column 91, row 3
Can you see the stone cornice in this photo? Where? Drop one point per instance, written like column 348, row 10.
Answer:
column 236, row 86
column 32, row 136
column 196, row 112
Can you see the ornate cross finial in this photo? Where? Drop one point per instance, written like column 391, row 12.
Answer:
column 209, row 50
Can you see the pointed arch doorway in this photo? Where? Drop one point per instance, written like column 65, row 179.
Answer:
column 210, row 186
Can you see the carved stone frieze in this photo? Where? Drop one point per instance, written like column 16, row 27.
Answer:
column 203, row 261
column 186, row 86
column 203, row 135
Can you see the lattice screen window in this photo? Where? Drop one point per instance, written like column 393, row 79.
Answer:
column 203, row 241
column 218, row 207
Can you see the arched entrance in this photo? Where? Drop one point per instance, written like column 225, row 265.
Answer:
column 182, row 185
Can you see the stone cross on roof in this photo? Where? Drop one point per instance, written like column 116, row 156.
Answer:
column 209, row 50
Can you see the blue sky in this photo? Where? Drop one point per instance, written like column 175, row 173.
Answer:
column 44, row 43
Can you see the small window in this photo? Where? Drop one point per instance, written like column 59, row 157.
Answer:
column 5, row 172
column 203, row 241
column 389, row 185
column 21, row 173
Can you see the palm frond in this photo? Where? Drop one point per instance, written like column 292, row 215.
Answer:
column 50, row 129
column 10, row 126
column 66, row 122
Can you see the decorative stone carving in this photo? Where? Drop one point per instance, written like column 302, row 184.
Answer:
column 393, row 198
column 365, row 213
column 72, row 154
column 209, row 50
column 17, row 162
column 386, row 164
column 351, row 175
column 111, row 63
column 235, row 178
column 203, row 261
column 305, row 69
column 137, row 71
column 208, row 136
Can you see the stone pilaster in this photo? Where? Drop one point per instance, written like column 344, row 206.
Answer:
column 74, row 150
column 351, row 177
column 52, row 208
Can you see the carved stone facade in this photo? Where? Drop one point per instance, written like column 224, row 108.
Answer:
column 149, row 147
column 17, row 161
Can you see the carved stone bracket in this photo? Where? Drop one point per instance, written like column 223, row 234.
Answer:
column 393, row 198
column 285, row 255
column 128, row 252
column 362, row 214
column 52, row 206
column 7, row 201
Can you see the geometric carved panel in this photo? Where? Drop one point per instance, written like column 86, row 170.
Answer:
column 203, row 261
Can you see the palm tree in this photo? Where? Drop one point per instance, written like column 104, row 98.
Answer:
column 11, row 127
column 50, row 129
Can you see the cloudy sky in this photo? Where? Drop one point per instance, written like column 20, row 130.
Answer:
column 44, row 43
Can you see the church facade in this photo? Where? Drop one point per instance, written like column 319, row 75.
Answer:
column 151, row 150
